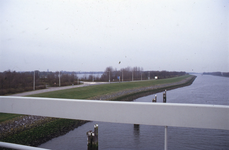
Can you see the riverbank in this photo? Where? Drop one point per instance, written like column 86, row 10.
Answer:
column 206, row 90
column 44, row 131
column 131, row 94
column 41, row 131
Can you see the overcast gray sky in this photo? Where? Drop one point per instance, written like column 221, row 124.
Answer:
column 89, row 35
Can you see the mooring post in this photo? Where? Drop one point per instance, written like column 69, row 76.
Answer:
column 166, row 137
column 92, row 139
column 164, row 97
column 89, row 139
column 155, row 99
column 96, row 126
column 136, row 126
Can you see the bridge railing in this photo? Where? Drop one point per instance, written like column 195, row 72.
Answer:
column 160, row 114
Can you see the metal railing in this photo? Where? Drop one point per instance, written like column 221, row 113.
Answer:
column 160, row 114
column 18, row 146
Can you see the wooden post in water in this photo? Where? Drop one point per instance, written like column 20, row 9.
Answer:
column 164, row 97
column 96, row 126
column 155, row 99
column 136, row 127
column 92, row 139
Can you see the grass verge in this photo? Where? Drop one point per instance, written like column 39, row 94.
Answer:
column 5, row 116
column 92, row 91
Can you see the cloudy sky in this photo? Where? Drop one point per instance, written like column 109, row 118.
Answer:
column 89, row 35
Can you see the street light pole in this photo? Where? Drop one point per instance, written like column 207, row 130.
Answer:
column 34, row 80
column 132, row 75
column 59, row 78
column 122, row 75
column 78, row 79
column 92, row 77
column 109, row 77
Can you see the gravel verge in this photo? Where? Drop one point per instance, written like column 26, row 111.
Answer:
column 21, row 123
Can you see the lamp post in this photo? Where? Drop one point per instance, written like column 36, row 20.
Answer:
column 34, row 80
column 122, row 75
column 78, row 78
column 92, row 76
column 132, row 75
column 59, row 78
column 109, row 77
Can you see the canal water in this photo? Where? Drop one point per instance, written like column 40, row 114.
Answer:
column 114, row 136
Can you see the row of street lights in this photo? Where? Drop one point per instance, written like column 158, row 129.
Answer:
column 34, row 78
column 132, row 76
column 93, row 80
column 34, row 84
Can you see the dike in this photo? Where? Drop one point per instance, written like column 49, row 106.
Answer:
column 133, row 96
column 40, row 133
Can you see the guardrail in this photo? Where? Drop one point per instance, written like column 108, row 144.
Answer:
column 18, row 146
column 161, row 114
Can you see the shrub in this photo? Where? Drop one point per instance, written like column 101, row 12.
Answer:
column 28, row 88
column 40, row 87
column 3, row 91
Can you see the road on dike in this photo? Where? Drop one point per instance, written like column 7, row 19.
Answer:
column 50, row 89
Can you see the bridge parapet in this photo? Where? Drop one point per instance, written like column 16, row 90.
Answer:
column 161, row 114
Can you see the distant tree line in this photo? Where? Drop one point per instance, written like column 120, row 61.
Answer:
column 224, row 74
column 16, row 82
column 52, row 79
column 136, row 73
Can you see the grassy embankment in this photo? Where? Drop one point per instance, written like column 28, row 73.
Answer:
column 92, row 91
column 5, row 117
column 39, row 134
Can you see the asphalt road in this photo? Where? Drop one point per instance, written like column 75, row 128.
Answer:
column 58, row 88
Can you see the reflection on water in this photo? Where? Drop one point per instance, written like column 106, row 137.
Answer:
column 115, row 136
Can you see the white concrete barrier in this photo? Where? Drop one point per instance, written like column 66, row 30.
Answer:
column 18, row 146
column 161, row 114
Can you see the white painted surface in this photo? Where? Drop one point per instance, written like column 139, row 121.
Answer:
column 161, row 114
column 18, row 146
column 166, row 138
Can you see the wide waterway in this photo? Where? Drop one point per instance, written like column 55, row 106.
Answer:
column 114, row 136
